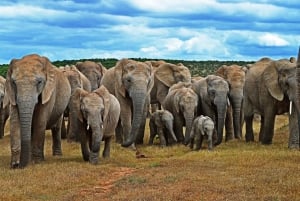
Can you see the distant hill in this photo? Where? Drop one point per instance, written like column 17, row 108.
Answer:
column 201, row 68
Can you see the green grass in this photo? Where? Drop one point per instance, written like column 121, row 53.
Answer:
column 235, row 170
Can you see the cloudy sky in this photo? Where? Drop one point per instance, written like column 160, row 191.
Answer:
column 165, row 29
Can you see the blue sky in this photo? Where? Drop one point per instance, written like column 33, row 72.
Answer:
column 164, row 29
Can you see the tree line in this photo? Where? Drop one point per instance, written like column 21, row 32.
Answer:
column 197, row 68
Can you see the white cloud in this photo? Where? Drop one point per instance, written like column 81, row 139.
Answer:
column 20, row 10
column 269, row 39
column 173, row 44
column 150, row 49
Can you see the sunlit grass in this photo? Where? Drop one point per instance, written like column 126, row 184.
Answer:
column 235, row 170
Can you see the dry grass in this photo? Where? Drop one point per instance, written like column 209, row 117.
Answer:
column 233, row 171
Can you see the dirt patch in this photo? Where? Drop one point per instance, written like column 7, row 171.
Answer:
column 102, row 190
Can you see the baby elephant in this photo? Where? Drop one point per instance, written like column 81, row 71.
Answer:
column 95, row 115
column 202, row 126
column 161, row 123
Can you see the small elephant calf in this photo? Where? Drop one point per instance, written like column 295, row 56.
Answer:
column 161, row 123
column 203, row 126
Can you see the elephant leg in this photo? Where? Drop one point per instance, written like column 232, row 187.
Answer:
column 106, row 150
column 56, row 137
column 153, row 131
column 262, row 128
column 178, row 125
column 249, row 128
column 162, row 138
column 119, row 133
column 198, row 142
column 15, row 138
column 268, row 127
column 84, row 146
column 229, row 125
column 2, row 123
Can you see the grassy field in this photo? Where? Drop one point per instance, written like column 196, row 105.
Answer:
column 235, row 170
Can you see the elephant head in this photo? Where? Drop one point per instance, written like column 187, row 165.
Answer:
column 280, row 79
column 91, row 110
column 183, row 102
column 93, row 71
column 76, row 78
column 235, row 76
column 202, row 126
column 30, row 80
column 133, row 83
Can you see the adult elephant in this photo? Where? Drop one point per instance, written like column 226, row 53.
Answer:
column 95, row 115
column 76, row 80
column 93, row 71
column 4, row 111
column 269, row 87
column 166, row 75
column 213, row 94
column 182, row 102
column 235, row 76
column 38, row 93
column 131, row 82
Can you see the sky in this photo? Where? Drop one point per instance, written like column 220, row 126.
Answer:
column 155, row 29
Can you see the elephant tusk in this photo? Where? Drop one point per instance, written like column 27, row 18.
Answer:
column 291, row 106
column 88, row 127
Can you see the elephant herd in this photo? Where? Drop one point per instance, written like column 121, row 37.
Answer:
column 102, row 104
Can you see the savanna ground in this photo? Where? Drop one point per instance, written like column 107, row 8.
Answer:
column 235, row 170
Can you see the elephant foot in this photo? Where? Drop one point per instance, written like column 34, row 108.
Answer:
column 266, row 142
column 15, row 164
column 294, row 146
column 94, row 158
column 57, row 153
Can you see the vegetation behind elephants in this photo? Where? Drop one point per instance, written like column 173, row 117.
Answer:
column 235, row 170
column 197, row 68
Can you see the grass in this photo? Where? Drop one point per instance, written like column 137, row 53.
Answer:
column 235, row 170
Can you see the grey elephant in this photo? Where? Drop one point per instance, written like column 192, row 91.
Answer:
column 96, row 115
column 131, row 82
column 213, row 94
column 269, row 88
column 203, row 126
column 76, row 80
column 4, row 111
column 93, row 71
column 166, row 75
column 235, row 76
column 38, row 93
column 161, row 124
column 182, row 102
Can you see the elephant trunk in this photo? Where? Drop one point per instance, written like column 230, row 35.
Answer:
column 189, row 117
column 138, row 100
column 26, row 109
column 237, row 121
column 221, row 111
column 97, row 135
column 210, row 140
column 169, row 126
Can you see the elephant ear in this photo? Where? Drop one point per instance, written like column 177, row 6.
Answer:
column 75, row 102
column 50, row 77
column 105, row 95
column 10, row 96
column 119, row 74
column 164, row 73
column 270, row 76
